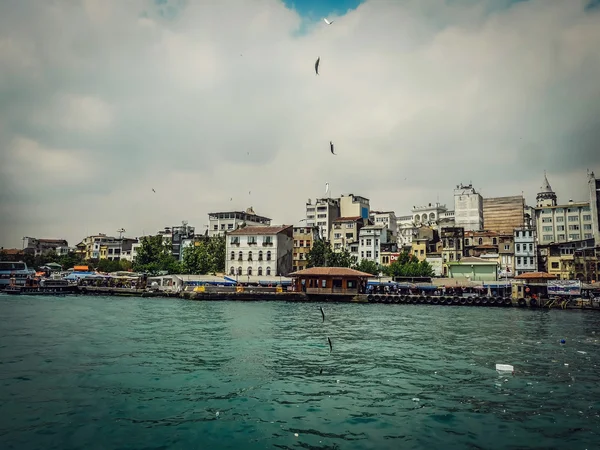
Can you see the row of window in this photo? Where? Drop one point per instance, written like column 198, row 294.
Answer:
column 524, row 260
column 232, row 271
column 301, row 243
column 524, row 233
column 241, row 256
column 569, row 210
column 252, row 240
column 518, row 247
column 369, row 254
column 299, row 255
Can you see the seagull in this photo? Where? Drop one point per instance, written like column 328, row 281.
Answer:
column 327, row 21
column 317, row 65
column 153, row 190
column 331, row 147
column 326, row 188
column 322, row 313
column 330, row 346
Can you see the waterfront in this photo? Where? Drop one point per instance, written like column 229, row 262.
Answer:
column 106, row 372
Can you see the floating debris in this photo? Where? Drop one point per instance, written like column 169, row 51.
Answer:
column 504, row 368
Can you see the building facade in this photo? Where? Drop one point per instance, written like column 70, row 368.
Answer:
column 453, row 244
column 321, row 214
column 304, row 238
column 503, row 214
column 564, row 223
column 38, row 247
column 468, row 208
column 370, row 239
column 434, row 215
column 525, row 250
column 354, row 206
column 387, row 219
column 594, row 188
column 344, row 233
column 220, row 223
column 260, row 250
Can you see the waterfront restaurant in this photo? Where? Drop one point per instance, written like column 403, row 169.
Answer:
column 330, row 280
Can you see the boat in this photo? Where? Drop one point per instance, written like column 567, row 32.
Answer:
column 46, row 286
column 16, row 273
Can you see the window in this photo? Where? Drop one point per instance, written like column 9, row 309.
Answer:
column 587, row 226
column 573, row 227
column 232, row 271
column 240, row 254
column 268, row 257
column 519, row 260
column 530, row 247
column 560, row 219
column 466, row 241
column 307, row 244
column 518, row 247
column 494, row 241
column 369, row 254
column 587, row 236
column 451, row 256
column 235, row 240
column 260, row 255
column 260, row 271
column 547, row 229
column 349, row 225
column 323, row 284
column 560, row 228
column 232, row 256
column 230, row 226
column 574, row 237
column 555, row 265
column 268, row 240
column 422, row 252
column 368, row 241
column 546, row 211
column 349, row 235
column 573, row 219
column 268, row 271
column 506, row 247
column 249, row 256
column 531, row 260
column 216, row 227
column 376, row 241
column 337, row 235
column 249, row 271
column 222, row 226
column 302, row 243
column 239, row 270
column 362, row 254
column 295, row 243
column 546, row 219
column 561, row 237
column 548, row 237
column 480, row 241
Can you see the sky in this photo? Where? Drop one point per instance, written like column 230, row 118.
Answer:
column 216, row 106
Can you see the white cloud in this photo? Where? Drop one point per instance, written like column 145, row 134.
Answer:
column 416, row 95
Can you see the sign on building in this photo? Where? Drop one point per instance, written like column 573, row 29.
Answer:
column 394, row 257
column 564, row 287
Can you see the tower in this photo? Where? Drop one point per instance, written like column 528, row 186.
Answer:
column 546, row 196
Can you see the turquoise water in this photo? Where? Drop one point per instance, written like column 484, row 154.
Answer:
column 124, row 373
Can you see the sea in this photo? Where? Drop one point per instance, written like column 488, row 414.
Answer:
column 152, row 373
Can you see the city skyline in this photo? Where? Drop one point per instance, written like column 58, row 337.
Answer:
column 217, row 107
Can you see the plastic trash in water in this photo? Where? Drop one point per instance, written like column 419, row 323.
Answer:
column 562, row 341
column 504, row 368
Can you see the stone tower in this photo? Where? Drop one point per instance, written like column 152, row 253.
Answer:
column 546, row 196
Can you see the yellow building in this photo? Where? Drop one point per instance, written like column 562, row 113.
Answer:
column 304, row 238
column 419, row 248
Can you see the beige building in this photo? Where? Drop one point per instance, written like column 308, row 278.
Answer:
column 345, row 232
column 304, row 238
column 354, row 206
column 503, row 214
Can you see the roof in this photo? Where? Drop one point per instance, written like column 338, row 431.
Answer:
column 348, row 219
column 487, row 246
column 12, row 251
column 475, row 260
column 535, row 275
column 246, row 213
column 373, row 227
column 52, row 241
column 331, row 272
column 260, row 230
column 546, row 186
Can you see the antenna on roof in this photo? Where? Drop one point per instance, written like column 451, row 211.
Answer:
column 121, row 231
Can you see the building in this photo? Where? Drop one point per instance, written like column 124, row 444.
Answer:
column 321, row 214
column 345, row 232
column 370, row 239
column 594, row 187
column 506, row 255
column 387, row 219
column 546, row 197
column 525, row 241
column 89, row 247
column 453, row 245
column 330, row 280
column 436, row 261
column 572, row 260
column 468, row 208
column 304, row 238
column 260, row 250
column 503, row 214
column 221, row 222
column 471, row 268
column 354, row 206
column 406, row 230
column 38, row 247
column 425, row 242
column 179, row 234
column 433, row 215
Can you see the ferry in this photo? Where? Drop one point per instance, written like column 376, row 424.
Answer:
column 45, row 286
column 14, row 270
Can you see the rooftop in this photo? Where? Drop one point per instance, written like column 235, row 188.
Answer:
column 246, row 213
column 331, row 272
column 260, row 230
column 474, row 260
column 348, row 219
column 535, row 276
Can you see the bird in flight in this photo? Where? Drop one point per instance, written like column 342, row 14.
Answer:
column 327, row 21
column 317, row 65
column 331, row 147
column 153, row 190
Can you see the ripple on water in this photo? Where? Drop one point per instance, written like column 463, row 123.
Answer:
column 157, row 373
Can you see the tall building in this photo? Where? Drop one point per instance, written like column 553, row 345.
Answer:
column 304, row 238
column 387, row 219
column 38, row 247
column 557, row 223
column 503, row 214
column 344, row 234
column 525, row 249
column 594, row 187
column 468, row 208
column 354, row 206
column 321, row 214
column 222, row 222
column 371, row 237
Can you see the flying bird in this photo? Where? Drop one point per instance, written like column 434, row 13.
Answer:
column 327, row 21
column 322, row 313
column 326, row 188
column 330, row 346
column 153, row 190
column 331, row 147
column 317, row 65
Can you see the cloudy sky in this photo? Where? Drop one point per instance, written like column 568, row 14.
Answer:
column 215, row 104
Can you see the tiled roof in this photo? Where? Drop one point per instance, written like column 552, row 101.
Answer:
column 348, row 219
column 12, row 251
column 331, row 271
column 475, row 260
column 535, row 275
column 259, row 230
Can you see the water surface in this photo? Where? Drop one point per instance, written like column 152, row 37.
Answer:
column 126, row 373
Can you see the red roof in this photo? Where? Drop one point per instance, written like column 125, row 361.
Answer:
column 331, row 272
column 536, row 275
column 260, row 230
column 12, row 251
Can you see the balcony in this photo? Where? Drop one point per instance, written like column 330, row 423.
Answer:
column 267, row 244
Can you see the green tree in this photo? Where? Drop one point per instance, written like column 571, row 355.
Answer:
column 408, row 265
column 340, row 259
column 319, row 254
column 216, row 246
column 154, row 256
column 70, row 260
column 197, row 260
column 368, row 266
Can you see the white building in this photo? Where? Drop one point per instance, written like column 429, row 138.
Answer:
column 222, row 222
column 434, row 215
column 468, row 208
column 525, row 250
column 322, row 213
column 594, row 187
column 370, row 239
column 406, row 230
column 260, row 250
column 387, row 219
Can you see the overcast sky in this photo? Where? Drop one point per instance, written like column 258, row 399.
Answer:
column 216, row 106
